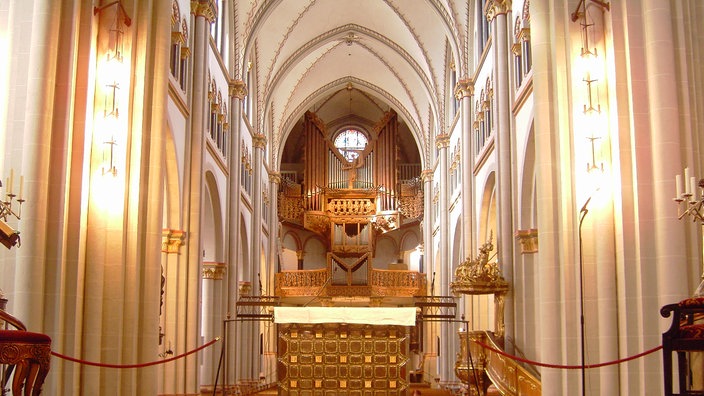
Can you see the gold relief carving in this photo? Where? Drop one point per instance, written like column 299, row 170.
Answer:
column 294, row 358
column 172, row 240
column 343, row 384
column 442, row 141
column 316, row 222
column 300, row 283
column 367, row 384
column 351, row 206
column 479, row 276
column 290, row 208
column 464, row 88
column 528, row 239
column 185, row 52
column 238, row 89
column 385, row 223
column 215, row 271
column 259, row 140
column 204, row 8
column 393, row 283
column 495, row 8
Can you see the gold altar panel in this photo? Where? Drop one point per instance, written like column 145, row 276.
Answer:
column 342, row 359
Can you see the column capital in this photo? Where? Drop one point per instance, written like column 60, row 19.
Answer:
column 204, row 8
column 275, row 177
column 259, row 140
column 442, row 140
column 238, row 89
column 172, row 240
column 464, row 88
column 495, row 8
column 427, row 175
column 213, row 270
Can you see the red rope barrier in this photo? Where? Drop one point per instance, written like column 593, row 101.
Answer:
column 122, row 366
column 560, row 366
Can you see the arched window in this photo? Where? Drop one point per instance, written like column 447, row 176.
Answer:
column 350, row 143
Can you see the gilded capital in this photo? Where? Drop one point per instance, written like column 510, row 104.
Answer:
column 238, row 89
column 213, row 270
column 259, row 141
column 427, row 175
column 204, row 8
column 442, row 140
column 275, row 177
column 172, row 240
column 495, row 8
column 464, row 88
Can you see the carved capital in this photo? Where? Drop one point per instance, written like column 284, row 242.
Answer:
column 204, row 8
column 275, row 177
column 442, row 141
column 495, row 8
column 528, row 240
column 259, row 141
column 213, row 270
column 427, row 175
column 464, row 89
column 238, row 89
column 172, row 240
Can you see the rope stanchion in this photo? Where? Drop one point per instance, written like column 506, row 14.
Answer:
column 139, row 365
column 568, row 367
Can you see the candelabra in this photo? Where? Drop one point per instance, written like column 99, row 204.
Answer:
column 10, row 207
column 7, row 206
column 690, row 203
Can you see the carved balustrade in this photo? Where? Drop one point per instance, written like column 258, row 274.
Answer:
column 397, row 283
column 383, row 283
column 301, row 283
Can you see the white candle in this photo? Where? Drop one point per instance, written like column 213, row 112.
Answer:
column 12, row 179
column 678, row 186
column 686, row 178
column 21, row 184
column 693, row 182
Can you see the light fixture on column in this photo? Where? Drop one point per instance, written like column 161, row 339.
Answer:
column 112, row 77
column 689, row 196
column 9, row 236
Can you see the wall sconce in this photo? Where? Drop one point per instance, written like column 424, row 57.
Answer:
column 113, row 75
column 9, row 236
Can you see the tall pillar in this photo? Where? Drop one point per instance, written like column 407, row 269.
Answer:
column 252, row 348
column 464, row 92
column 238, row 91
column 670, row 274
column 203, row 15
column 212, row 275
column 497, row 12
column 442, row 142
column 548, row 142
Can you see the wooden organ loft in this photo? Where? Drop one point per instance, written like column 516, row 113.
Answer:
column 350, row 199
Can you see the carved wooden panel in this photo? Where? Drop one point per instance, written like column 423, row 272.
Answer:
column 342, row 359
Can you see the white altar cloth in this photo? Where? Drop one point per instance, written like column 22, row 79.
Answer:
column 397, row 316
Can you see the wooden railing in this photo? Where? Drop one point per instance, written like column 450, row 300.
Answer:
column 383, row 283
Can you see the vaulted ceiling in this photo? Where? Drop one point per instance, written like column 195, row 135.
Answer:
column 351, row 60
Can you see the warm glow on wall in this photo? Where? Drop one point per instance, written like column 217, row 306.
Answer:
column 112, row 88
column 590, row 110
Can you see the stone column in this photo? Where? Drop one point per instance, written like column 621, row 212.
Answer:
column 464, row 92
column 203, row 15
column 442, row 142
column 497, row 12
column 238, row 91
column 213, row 274
column 670, row 273
column 259, row 142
